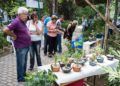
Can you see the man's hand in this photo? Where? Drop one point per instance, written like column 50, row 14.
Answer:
column 10, row 33
column 14, row 37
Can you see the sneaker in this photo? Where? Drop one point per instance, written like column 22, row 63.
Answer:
column 50, row 55
column 45, row 54
column 53, row 53
column 31, row 69
column 21, row 80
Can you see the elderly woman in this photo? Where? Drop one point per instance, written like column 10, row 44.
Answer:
column 36, row 28
column 52, row 36
column 19, row 32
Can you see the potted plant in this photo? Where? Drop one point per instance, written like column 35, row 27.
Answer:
column 55, row 67
column 78, row 54
column 65, row 65
column 92, row 61
column 65, row 58
column 99, row 51
column 42, row 78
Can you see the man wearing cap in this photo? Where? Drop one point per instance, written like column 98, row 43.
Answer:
column 19, row 32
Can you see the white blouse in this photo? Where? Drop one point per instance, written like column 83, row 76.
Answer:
column 32, row 28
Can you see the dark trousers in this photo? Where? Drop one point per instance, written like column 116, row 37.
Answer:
column 45, row 43
column 35, row 49
column 52, row 42
column 21, row 58
column 59, row 41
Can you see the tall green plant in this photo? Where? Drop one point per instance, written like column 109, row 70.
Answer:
column 114, row 76
column 3, row 41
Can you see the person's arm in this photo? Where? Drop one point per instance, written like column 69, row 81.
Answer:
column 39, row 28
column 69, row 25
column 10, row 28
column 10, row 33
column 51, row 30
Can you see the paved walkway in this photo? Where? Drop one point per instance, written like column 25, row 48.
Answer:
column 8, row 69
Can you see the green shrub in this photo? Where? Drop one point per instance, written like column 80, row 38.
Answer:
column 3, row 41
column 65, row 24
column 42, row 78
column 114, row 76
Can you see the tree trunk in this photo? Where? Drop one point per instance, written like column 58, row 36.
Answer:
column 53, row 6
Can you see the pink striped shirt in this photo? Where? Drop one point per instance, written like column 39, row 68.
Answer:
column 52, row 29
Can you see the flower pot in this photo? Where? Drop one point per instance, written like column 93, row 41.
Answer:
column 61, row 64
column 55, row 68
column 100, row 59
column 76, row 68
column 92, row 63
column 99, row 36
column 66, row 69
column 82, row 62
column 110, row 57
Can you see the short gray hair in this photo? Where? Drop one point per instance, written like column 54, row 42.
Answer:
column 22, row 10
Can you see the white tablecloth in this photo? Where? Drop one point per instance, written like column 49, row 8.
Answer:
column 86, row 71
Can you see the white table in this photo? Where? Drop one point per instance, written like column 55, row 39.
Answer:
column 86, row 71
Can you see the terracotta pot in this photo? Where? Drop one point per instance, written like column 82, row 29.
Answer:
column 55, row 68
column 76, row 68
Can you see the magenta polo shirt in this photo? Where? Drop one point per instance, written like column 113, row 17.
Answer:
column 21, row 31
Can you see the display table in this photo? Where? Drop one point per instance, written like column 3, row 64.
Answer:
column 86, row 71
column 89, row 45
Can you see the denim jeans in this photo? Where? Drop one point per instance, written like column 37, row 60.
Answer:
column 21, row 58
column 59, row 41
column 35, row 49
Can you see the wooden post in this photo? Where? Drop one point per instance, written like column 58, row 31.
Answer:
column 116, row 12
column 107, row 15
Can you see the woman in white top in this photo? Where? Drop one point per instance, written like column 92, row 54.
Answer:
column 35, row 28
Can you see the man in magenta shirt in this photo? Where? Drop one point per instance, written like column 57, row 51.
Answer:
column 19, row 32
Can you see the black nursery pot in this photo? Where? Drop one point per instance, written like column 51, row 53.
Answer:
column 99, row 35
column 66, row 69
column 110, row 57
column 92, row 63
